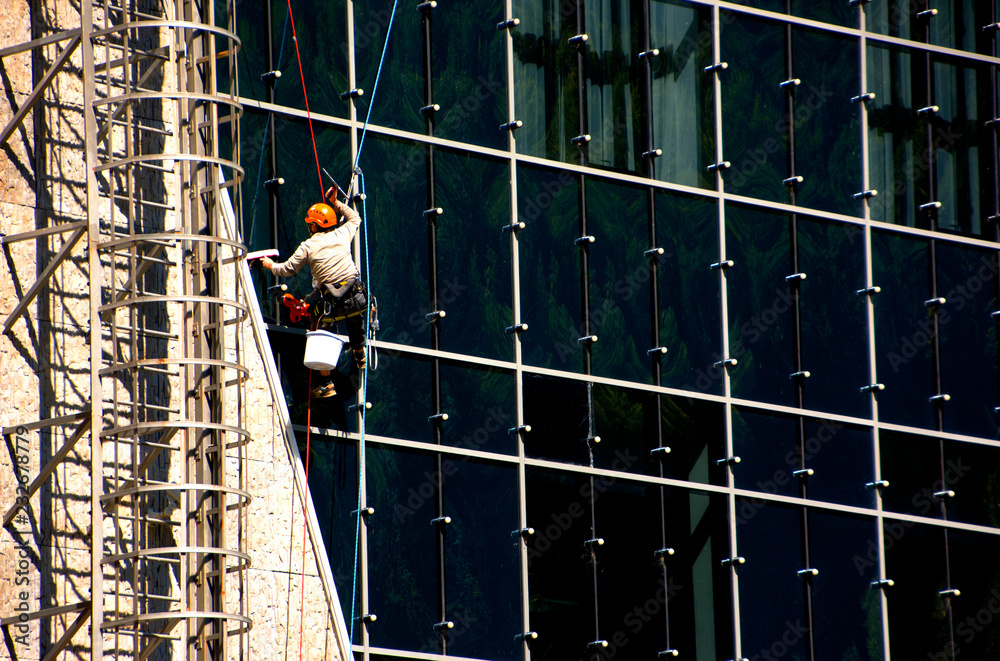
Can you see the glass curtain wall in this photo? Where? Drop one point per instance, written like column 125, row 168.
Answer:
column 688, row 321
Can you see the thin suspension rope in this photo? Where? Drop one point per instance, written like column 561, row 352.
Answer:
column 378, row 74
column 363, row 408
column 312, row 135
column 364, row 377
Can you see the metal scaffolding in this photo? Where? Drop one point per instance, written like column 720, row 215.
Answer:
column 169, row 493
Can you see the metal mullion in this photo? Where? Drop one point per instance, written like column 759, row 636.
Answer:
column 938, row 403
column 654, row 305
column 431, row 216
column 522, row 479
column 799, row 382
column 870, row 323
column 724, row 321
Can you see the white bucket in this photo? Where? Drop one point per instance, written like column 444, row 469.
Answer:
column 322, row 350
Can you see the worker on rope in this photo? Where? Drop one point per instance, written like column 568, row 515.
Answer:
column 338, row 291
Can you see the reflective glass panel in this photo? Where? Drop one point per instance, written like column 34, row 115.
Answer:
column 614, row 92
column 683, row 97
column 761, row 305
column 482, row 565
column 897, row 162
column 827, row 126
column 548, row 203
column 964, row 158
column 973, row 473
column 402, row 586
column 619, row 272
column 772, row 607
column 955, row 24
column 912, row 466
column 754, row 108
column 632, row 585
column 768, row 448
column 974, row 567
column 698, row 586
column 967, row 281
column 918, row 616
column 834, row 332
column 400, row 94
column 473, row 256
column 321, row 27
column 903, row 329
column 401, row 398
column 333, row 486
column 838, row 13
column 480, row 406
column 847, row 612
column 771, row 448
column 687, row 228
column 560, row 573
column 469, row 67
column 400, row 265
column 559, row 414
column 626, row 420
column 546, row 80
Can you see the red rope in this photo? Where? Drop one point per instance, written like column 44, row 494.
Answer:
column 305, row 518
column 305, row 96
column 305, row 491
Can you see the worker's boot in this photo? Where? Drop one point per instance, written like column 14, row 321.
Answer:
column 360, row 358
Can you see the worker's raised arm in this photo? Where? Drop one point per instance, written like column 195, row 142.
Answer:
column 352, row 219
column 290, row 267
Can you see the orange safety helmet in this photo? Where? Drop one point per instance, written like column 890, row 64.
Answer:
column 322, row 215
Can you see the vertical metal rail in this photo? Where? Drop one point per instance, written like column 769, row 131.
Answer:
column 798, row 375
column 653, row 262
column 434, row 318
column 724, row 322
column 522, row 511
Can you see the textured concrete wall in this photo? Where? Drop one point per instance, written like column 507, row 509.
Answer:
column 45, row 372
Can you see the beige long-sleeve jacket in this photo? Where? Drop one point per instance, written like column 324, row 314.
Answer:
column 328, row 254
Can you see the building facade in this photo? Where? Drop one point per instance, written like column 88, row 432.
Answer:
column 688, row 323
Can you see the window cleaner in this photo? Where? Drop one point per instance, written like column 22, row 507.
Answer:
column 338, row 291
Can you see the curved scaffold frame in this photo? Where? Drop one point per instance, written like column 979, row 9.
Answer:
column 163, row 150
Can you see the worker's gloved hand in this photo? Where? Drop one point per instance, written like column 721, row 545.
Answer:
column 331, row 194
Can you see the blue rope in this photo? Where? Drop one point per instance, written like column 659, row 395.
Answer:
column 267, row 126
column 368, row 321
column 371, row 104
column 363, row 409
